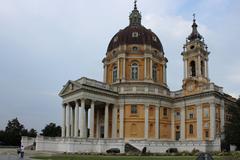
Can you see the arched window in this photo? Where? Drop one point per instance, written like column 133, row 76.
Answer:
column 193, row 68
column 202, row 68
column 154, row 72
column 190, row 129
column 134, row 69
column 114, row 73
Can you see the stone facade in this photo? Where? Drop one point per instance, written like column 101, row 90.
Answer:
column 134, row 104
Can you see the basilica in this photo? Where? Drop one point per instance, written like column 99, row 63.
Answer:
column 134, row 105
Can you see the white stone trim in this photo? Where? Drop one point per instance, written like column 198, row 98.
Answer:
column 212, row 121
column 106, row 122
column 157, row 122
column 199, row 122
column 121, row 109
column 146, row 122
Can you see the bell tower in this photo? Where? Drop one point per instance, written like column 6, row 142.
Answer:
column 195, row 56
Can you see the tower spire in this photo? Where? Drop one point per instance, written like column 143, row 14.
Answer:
column 135, row 4
column 195, row 34
column 135, row 17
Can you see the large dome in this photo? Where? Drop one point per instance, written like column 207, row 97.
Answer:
column 135, row 34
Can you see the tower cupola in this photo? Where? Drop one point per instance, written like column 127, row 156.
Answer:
column 135, row 17
column 195, row 57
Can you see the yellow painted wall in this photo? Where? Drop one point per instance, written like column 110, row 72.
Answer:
column 134, row 123
column 191, row 121
column 165, row 124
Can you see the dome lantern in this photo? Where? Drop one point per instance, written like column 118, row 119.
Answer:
column 135, row 17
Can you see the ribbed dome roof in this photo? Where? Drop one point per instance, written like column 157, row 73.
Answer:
column 135, row 33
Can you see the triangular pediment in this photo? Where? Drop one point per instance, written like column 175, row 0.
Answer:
column 69, row 87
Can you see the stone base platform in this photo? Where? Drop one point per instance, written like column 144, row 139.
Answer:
column 78, row 145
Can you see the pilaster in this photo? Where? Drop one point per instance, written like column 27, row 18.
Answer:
column 146, row 122
column 199, row 122
column 157, row 122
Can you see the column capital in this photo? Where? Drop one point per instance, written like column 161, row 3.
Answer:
column 107, row 104
column 93, row 102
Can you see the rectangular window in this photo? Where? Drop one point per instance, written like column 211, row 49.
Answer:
column 190, row 115
column 133, row 109
column 165, row 111
column 206, row 134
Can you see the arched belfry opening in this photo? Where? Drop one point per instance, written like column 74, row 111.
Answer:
column 193, row 68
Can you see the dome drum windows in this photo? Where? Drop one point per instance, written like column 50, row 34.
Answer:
column 154, row 72
column 134, row 71
column 114, row 73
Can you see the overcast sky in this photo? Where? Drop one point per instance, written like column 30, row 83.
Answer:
column 44, row 43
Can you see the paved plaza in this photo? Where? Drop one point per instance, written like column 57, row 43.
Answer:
column 11, row 154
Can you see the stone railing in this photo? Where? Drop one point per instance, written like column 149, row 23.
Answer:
column 94, row 83
column 205, row 88
column 142, row 89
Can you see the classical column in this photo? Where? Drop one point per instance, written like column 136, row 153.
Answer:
column 72, row 121
column 123, row 68
column 92, row 120
column 121, row 110
column 82, row 120
column 97, row 126
column 199, row 122
column 68, row 120
column 173, row 124
column 151, row 66
column 145, row 68
column 106, row 118
column 76, row 127
column 182, row 123
column 86, row 120
column 157, row 122
column 212, row 121
column 222, row 113
column 64, row 121
column 146, row 122
column 114, row 122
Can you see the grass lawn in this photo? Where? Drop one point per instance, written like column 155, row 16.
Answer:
column 81, row 157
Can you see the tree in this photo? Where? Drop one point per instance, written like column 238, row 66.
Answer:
column 232, row 129
column 51, row 130
column 32, row 133
column 13, row 132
